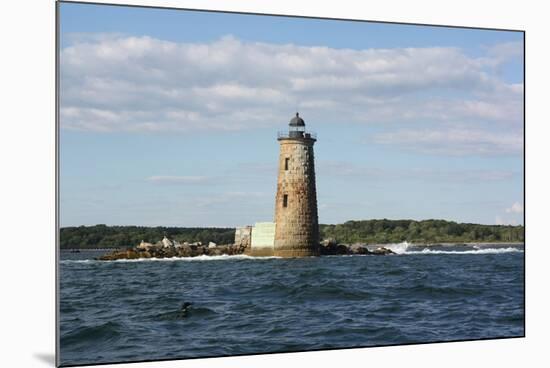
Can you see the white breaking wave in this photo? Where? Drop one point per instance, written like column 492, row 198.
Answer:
column 399, row 248
column 477, row 251
column 407, row 248
column 77, row 260
column 200, row 258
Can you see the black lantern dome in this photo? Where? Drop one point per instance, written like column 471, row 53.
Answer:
column 297, row 121
column 297, row 127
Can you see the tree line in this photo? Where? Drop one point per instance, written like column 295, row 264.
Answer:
column 426, row 231
column 366, row 231
column 103, row 236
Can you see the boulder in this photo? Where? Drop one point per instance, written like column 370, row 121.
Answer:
column 166, row 243
column 144, row 245
column 132, row 254
column 170, row 252
column 333, row 249
column 119, row 254
column 215, row 252
column 382, row 251
column 358, row 249
column 185, row 251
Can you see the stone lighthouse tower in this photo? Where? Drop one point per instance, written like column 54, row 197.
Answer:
column 296, row 221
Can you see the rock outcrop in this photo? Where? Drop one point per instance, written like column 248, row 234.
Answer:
column 162, row 251
column 331, row 247
column 169, row 249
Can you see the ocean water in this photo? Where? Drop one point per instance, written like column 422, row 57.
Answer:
column 129, row 310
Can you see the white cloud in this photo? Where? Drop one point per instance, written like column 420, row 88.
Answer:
column 515, row 211
column 516, row 208
column 345, row 170
column 506, row 51
column 165, row 179
column 86, row 37
column 454, row 141
column 112, row 82
column 505, row 221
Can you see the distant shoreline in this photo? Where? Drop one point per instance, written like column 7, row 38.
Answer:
column 368, row 232
column 465, row 243
column 367, row 244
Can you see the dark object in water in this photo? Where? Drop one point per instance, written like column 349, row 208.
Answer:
column 185, row 309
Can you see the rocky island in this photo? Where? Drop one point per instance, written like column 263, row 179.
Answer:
column 167, row 248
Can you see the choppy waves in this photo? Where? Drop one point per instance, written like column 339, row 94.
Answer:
column 132, row 310
column 476, row 251
column 405, row 248
column 100, row 333
column 201, row 258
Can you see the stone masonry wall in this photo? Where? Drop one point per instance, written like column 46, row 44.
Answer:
column 243, row 236
column 297, row 227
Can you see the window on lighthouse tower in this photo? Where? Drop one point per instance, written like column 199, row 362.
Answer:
column 285, row 200
column 286, row 163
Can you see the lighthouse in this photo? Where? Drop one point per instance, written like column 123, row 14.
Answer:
column 296, row 221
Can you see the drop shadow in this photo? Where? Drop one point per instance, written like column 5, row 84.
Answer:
column 47, row 358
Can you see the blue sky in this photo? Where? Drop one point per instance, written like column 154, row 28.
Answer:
column 170, row 117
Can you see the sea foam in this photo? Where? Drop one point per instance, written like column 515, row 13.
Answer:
column 399, row 248
column 476, row 251
column 409, row 248
column 404, row 248
column 200, row 258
